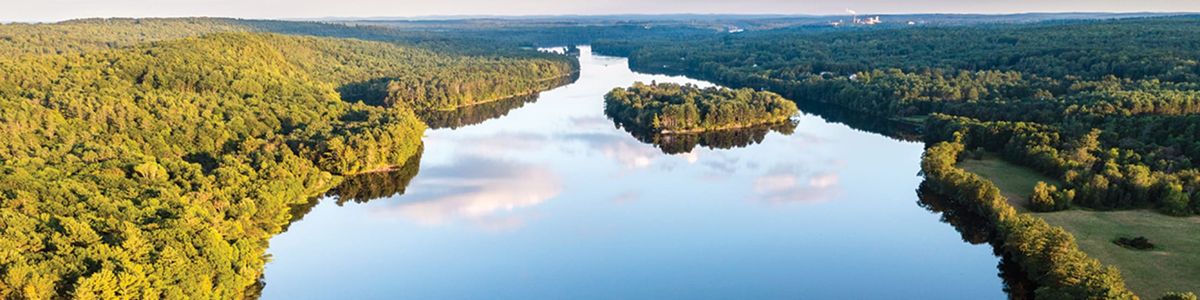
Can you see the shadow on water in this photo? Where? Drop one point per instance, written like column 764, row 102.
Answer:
column 363, row 188
column 677, row 143
column 374, row 92
column 832, row 113
column 863, row 122
column 976, row 230
column 475, row 114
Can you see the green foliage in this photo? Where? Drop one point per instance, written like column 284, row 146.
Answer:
column 1048, row 254
column 1179, row 296
column 673, row 108
column 1113, row 179
column 155, row 158
column 1046, row 198
column 1175, row 200
column 1042, row 198
column 1115, row 121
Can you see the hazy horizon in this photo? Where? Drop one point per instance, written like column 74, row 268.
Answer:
column 59, row 10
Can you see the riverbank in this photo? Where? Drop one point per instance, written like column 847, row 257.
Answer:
column 1170, row 267
column 554, row 190
column 1012, row 179
column 1048, row 254
column 726, row 127
column 559, row 81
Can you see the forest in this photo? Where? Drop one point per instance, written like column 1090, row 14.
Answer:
column 1117, row 119
column 1115, row 123
column 673, row 108
column 154, row 158
column 1048, row 254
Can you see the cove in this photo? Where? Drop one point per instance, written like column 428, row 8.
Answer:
column 552, row 200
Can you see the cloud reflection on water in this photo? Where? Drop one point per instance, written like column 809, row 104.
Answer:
column 475, row 188
column 782, row 185
column 500, row 143
column 629, row 153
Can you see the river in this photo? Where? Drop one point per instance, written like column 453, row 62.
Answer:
column 551, row 200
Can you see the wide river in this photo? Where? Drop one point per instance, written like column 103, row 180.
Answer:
column 553, row 201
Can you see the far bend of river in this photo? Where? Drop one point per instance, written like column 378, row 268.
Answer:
column 552, row 201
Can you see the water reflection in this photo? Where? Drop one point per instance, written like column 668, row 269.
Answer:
column 782, row 185
column 721, row 139
column 976, row 230
column 864, row 122
column 363, row 188
column 474, row 188
column 475, row 114
column 900, row 131
column 627, row 153
column 552, row 201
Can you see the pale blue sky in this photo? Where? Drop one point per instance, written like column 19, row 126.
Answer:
column 54, row 10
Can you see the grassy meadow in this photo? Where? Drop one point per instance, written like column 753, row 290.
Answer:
column 1174, row 264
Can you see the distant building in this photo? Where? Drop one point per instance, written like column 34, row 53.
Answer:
column 868, row 21
column 855, row 20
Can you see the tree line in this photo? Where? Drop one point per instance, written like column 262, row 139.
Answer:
column 155, row 158
column 1094, row 176
column 1048, row 254
column 1134, row 104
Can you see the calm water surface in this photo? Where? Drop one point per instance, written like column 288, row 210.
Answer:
column 553, row 201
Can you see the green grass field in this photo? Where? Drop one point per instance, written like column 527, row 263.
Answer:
column 1173, row 266
column 1015, row 182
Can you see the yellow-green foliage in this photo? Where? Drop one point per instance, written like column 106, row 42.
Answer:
column 96, row 34
column 420, row 79
column 160, row 170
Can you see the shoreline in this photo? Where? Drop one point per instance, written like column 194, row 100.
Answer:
column 510, row 96
column 721, row 128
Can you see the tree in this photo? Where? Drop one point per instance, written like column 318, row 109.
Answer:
column 1179, row 296
column 1043, row 197
column 1176, row 201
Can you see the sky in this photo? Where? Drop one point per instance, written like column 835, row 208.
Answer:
column 57, row 10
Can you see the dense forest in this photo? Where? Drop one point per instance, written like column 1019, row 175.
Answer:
column 673, row 108
column 1120, row 118
column 154, row 158
column 1047, row 254
column 103, row 33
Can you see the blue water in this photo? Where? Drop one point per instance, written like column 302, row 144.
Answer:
column 553, row 201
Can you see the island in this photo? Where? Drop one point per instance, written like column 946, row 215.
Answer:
column 668, row 108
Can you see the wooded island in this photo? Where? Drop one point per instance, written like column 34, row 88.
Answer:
column 672, row 108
